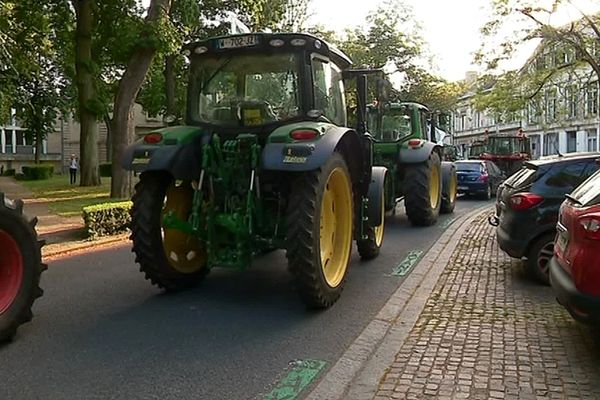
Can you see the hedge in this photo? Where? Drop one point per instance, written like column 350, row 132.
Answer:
column 105, row 170
column 107, row 218
column 9, row 172
column 37, row 172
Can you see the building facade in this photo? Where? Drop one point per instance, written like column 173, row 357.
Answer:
column 563, row 116
column 16, row 150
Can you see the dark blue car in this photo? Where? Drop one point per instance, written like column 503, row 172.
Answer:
column 478, row 177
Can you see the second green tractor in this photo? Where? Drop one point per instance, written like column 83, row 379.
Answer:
column 406, row 136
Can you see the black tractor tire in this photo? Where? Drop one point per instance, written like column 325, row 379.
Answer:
column 538, row 258
column 146, row 234
column 369, row 248
column 20, row 253
column 420, row 209
column 304, row 231
column 449, row 188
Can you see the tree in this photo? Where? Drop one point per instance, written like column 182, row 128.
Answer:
column 423, row 87
column 562, row 51
column 156, row 33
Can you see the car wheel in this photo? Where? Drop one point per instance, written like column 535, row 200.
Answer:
column 538, row 258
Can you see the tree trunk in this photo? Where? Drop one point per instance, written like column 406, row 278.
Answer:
column 170, row 86
column 38, row 146
column 108, row 123
column 123, row 132
column 86, row 93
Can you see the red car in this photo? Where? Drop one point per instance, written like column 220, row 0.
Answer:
column 575, row 267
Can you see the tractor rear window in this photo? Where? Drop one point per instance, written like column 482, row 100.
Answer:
column 244, row 89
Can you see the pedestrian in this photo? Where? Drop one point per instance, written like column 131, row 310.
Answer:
column 73, row 166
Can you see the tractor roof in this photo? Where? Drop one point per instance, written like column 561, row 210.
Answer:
column 252, row 42
column 410, row 104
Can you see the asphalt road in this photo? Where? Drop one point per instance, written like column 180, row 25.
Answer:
column 101, row 331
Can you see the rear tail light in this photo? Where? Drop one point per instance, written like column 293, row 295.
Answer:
column 304, row 134
column 484, row 178
column 524, row 201
column 415, row 143
column 153, row 138
column 591, row 226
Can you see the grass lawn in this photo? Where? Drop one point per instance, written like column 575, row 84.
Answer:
column 65, row 199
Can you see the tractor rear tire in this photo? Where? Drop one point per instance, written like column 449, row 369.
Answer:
column 319, row 232
column 148, row 236
column 423, row 191
column 20, row 267
column 449, row 188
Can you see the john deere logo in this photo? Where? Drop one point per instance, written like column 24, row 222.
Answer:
column 289, row 152
column 146, row 154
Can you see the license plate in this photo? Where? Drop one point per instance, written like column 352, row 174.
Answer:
column 463, row 188
column 235, row 42
column 561, row 242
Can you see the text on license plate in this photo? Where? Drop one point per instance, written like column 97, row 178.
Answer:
column 238, row 41
column 463, row 188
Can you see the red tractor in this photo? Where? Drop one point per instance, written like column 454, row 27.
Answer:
column 508, row 152
column 20, row 267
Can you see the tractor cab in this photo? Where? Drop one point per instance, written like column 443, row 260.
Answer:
column 399, row 122
column 254, row 83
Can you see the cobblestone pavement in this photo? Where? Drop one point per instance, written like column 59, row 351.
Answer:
column 489, row 332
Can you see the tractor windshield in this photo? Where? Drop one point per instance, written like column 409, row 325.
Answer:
column 393, row 125
column 244, row 90
column 507, row 145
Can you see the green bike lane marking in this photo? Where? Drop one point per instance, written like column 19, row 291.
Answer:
column 301, row 375
column 406, row 265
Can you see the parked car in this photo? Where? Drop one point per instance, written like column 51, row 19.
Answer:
column 478, row 177
column 575, row 267
column 527, row 207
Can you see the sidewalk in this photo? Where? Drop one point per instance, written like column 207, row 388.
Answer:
column 62, row 234
column 484, row 331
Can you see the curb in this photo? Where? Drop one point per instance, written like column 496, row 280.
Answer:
column 356, row 375
column 59, row 250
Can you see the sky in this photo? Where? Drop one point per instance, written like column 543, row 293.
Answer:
column 451, row 28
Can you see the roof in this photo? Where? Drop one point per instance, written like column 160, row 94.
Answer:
column 316, row 44
column 470, row 161
column 564, row 158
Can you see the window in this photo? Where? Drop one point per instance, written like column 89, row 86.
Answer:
column 563, row 176
column 571, row 142
column 572, row 102
column 592, row 141
column 591, row 99
column 532, row 112
column 589, row 193
column 550, row 105
column 550, row 143
column 329, row 91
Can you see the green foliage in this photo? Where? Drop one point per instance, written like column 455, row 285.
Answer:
column 107, row 218
column 423, row 87
column 105, row 170
column 9, row 172
column 37, row 172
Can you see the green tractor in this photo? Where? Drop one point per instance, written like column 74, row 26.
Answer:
column 20, row 267
column 406, row 136
column 477, row 148
column 266, row 161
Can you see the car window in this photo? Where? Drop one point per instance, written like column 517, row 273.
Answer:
column 589, row 192
column 560, row 179
column 470, row 167
column 591, row 167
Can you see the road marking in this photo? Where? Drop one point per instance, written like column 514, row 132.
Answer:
column 302, row 374
column 406, row 264
column 448, row 222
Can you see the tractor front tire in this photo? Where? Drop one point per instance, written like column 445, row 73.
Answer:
column 449, row 188
column 20, row 267
column 319, row 232
column 423, row 191
column 170, row 259
column 369, row 248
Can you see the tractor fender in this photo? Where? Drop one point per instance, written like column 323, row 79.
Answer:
column 183, row 161
column 375, row 195
column 310, row 155
column 418, row 155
